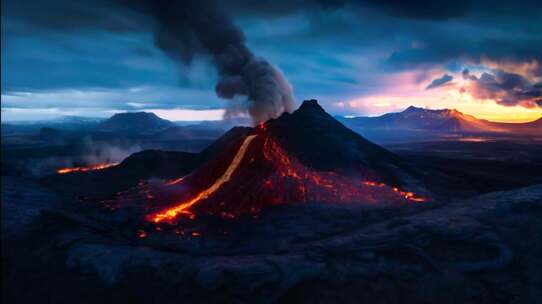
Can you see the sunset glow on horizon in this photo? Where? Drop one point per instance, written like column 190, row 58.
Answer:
column 482, row 109
column 408, row 90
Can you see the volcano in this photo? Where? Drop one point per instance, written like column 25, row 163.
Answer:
column 306, row 156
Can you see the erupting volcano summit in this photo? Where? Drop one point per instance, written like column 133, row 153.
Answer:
column 306, row 156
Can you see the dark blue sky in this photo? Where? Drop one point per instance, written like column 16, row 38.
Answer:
column 357, row 57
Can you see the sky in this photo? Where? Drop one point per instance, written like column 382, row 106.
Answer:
column 96, row 58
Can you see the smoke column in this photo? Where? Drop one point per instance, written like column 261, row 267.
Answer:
column 185, row 28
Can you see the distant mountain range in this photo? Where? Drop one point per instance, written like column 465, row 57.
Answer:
column 445, row 120
column 149, row 123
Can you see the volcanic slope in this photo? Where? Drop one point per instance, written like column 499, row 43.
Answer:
column 306, row 156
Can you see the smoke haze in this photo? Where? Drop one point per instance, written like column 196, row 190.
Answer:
column 186, row 28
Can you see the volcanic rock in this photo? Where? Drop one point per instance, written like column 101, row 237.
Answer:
column 321, row 142
column 470, row 246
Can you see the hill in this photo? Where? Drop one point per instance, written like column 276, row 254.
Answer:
column 134, row 122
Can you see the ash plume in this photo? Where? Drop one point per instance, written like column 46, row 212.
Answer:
column 185, row 28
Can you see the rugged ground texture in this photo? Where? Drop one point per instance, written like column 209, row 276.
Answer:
column 486, row 249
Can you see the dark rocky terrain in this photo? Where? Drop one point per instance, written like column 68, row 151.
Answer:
column 320, row 141
column 457, row 251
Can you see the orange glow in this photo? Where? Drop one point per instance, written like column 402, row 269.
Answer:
column 175, row 181
column 86, row 169
column 528, row 69
column 322, row 186
column 407, row 195
column 183, row 207
column 141, row 234
column 448, row 98
column 473, row 139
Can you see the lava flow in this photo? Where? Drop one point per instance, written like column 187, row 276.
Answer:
column 95, row 167
column 175, row 181
column 262, row 173
column 408, row 195
column 183, row 208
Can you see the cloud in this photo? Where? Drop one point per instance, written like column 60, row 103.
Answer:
column 508, row 89
column 184, row 29
column 73, row 16
column 61, row 45
column 435, row 10
column 439, row 82
column 133, row 98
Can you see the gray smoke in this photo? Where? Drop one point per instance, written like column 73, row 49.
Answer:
column 186, row 28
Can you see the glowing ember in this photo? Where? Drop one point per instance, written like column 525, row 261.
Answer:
column 407, row 195
column 183, row 208
column 323, row 186
column 175, row 181
column 86, row 169
column 141, row 234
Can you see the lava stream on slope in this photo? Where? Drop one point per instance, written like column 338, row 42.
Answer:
column 95, row 167
column 184, row 207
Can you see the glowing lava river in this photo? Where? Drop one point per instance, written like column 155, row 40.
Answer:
column 262, row 174
column 183, row 208
column 96, row 167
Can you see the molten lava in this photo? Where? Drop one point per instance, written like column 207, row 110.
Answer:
column 183, row 208
column 86, row 169
column 262, row 174
column 407, row 195
column 175, row 181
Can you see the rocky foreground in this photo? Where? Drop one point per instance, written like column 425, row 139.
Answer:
column 486, row 249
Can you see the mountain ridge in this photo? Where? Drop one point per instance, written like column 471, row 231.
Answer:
column 440, row 120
